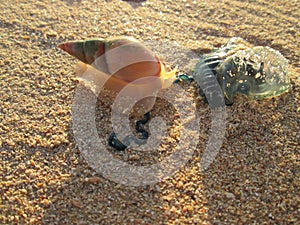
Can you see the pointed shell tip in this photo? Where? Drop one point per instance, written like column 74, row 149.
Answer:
column 62, row 46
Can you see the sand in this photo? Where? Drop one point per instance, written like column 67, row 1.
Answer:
column 45, row 179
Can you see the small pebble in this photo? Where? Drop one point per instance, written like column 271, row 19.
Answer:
column 93, row 180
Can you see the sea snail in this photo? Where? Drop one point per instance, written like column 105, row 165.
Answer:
column 119, row 62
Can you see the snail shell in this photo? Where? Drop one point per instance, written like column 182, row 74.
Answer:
column 119, row 62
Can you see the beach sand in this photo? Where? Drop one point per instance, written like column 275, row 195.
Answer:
column 45, row 178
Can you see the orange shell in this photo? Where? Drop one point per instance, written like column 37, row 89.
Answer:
column 116, row 63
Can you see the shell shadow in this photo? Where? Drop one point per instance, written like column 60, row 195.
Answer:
column 72, row 2
column 134, row 3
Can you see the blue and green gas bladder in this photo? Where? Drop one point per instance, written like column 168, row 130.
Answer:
column 257, row 72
